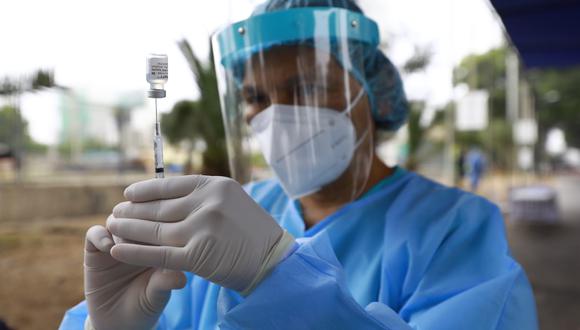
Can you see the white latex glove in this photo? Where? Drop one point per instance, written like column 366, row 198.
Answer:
column 205, row 225
column 122, row 296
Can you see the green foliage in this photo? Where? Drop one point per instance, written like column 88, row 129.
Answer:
column 42, row 79
column 486, row 71
column 30, row 83
column 419, row 147
column 11, row 124
column 482, row 71
column 556, row 91
column 8, row 87
column 14, row 131
column 180, row 123
column 201, row 119
column 558, row 101
column 496, row 141
column 416, row 133
column 35, row 147
column 419, row 61
column 13, row 128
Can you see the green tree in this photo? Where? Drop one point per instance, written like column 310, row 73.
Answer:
column 40, row 79
column 558, row 101
column 488, row 72
column 10, row 123
column 199, row 120
column 416, row 133
column 14, row 130
column 419, row 61
column 18, row 139
column 416, row 63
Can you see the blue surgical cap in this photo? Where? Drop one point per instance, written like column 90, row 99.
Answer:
column 382, row 80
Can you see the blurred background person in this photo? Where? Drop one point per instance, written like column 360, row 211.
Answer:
column 460, row 167
column 476, row 164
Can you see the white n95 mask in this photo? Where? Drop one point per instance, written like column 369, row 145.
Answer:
column 306, row 147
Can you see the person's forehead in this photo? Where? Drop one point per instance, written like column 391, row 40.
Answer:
column 283, row 60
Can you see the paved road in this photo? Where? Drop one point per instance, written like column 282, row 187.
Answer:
column 551, row 257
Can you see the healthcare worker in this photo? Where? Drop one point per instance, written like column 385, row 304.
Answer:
column 335, row 239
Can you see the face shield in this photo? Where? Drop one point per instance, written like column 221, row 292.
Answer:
column 295, row 103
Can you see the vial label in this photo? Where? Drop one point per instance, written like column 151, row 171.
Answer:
column 157, row 69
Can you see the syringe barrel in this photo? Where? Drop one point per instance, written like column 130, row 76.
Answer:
column 158, row 150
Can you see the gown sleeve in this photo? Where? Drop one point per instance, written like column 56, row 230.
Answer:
column 470, row 282
column 74, row 318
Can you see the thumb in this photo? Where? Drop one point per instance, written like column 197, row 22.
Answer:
column 159, row 288
column 98, row 243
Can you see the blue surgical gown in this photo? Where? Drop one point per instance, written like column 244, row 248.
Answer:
column 409, row 254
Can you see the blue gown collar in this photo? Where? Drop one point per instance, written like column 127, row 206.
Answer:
column 294, row 210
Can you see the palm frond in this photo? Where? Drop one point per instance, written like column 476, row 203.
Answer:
column 193, row 62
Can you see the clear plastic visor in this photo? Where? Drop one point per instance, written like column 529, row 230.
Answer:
column 297, row 111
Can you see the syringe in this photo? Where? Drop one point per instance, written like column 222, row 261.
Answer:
column 157, row 77
column 158, row 147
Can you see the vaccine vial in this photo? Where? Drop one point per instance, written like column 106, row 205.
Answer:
column 157, row 75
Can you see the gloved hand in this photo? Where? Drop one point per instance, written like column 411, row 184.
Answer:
column 122, row 296
column 205, row 225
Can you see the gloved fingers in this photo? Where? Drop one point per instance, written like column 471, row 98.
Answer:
column 98, row 243
column 169, row 210
column 151, row 256
column 98, row 238
column 159, row 288
column 168, row 188
column 166, row 280
column 149, row 232
column 118, row 239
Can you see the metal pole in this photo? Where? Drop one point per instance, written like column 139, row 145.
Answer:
column 512, row 100
column 512, row 85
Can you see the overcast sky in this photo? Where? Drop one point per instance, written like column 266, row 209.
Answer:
column 99, row 47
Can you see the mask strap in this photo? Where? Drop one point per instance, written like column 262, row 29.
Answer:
column 354, row 102
column 358, row 143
